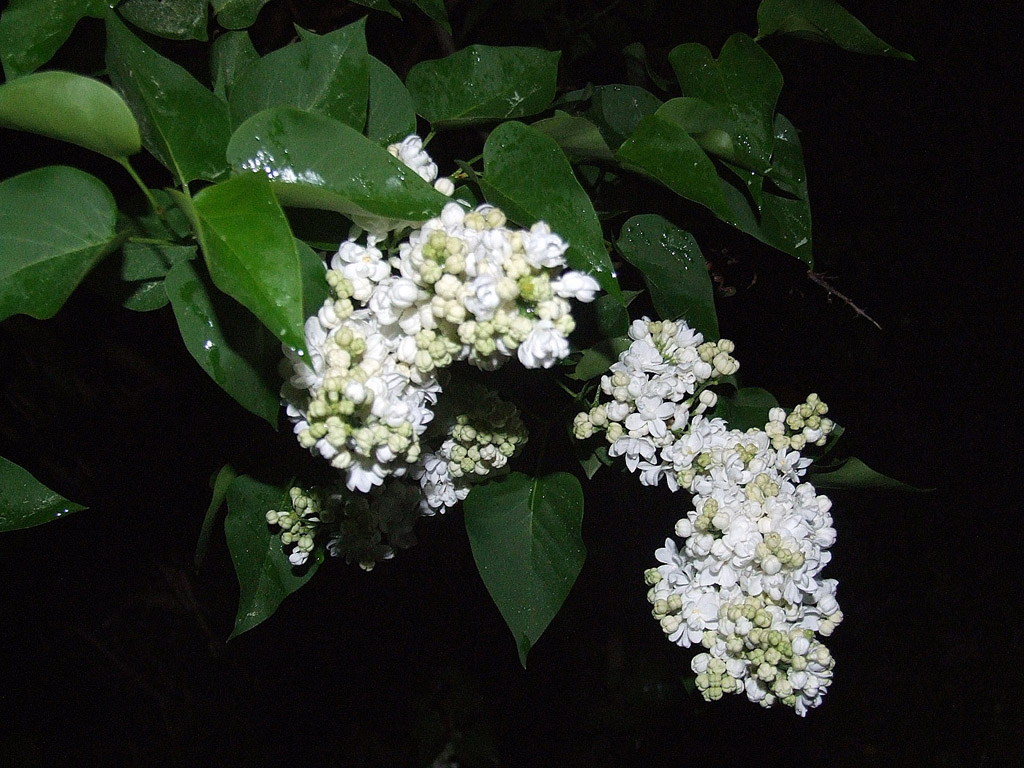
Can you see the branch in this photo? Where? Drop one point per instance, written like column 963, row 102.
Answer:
column 820, row 279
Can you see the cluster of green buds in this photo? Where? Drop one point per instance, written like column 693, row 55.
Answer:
column 483, row 440
column 300, row 524
column 804, row 425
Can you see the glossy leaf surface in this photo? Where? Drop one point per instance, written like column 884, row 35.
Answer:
column 238, row 353
column 549, row 192
column 390, row 116
column 182, row 123
column 674, row 270
column 824, row 21
column 618, row 109
column 326, row 74
column 237, row 14
column 483, row 82
column 664, row 150
column 852, row 473
column 173, row 19
column 25, row 502
column 56, row 223
column 72, row 108
column 251, row 254
column 783, row 215
column 230, row 55
column 316, row 162
column 31, row 31
column 743, row 83
column 579, row 138
column 525, row 536
column 265, row 576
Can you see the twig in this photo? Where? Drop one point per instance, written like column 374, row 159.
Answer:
column 819, row 279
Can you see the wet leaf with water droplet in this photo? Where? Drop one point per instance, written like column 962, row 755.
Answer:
column 391, row 116
column 316, row 162
column 237, row 14
column 231, row 345
column 56, row 223
column 529, row 177
column 265, row 577
column 251, row 253
column 325, row 74
column 177, row 20
column 674, row 270
column 31, row 31
column 182, row 123
column 483, row 82
column 743, row 83
column 25, row 502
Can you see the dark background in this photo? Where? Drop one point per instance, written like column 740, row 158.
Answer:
column 114, row 649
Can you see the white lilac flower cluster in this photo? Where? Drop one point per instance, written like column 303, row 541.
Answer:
column 463, row 286
column 745, row 581
column 478, row 445
column 300, row 524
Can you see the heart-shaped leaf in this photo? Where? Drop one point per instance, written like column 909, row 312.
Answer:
column 25, row 502
column 56, row 223
column 824, row 21
column 483, row 82
column 326, row 74
column 251, row 253
column 743, row 83
column 529, row 177
column 265, row 577
column 316, row 162
column 578, row 137
column 617, row 110
column 674, row 270
column 31, row 31
column 238, row 353
column 182, row 123
column 525, row 536
column 72, row 108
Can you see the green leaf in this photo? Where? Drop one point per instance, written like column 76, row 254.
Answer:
column 237, row 14
column 435, row 10
column 173, row 19
column 182, row 123
column 314, row 283
column 145, row 261
column 251, row 253
column 783, row 216
column 326, row 74
column 579, row 138
column 824, row 21
column 529, row 177
column 665, row 151
column 746, row 408
column 390, row 116
column 230, row 55
column 31, row 31
column 71, row 108
column 238, row 353
column 599, row 358
column 25, row 502
column 220, row 484
column 743, row 83
column 316, row 162
column 852, row 473
column 483, row 82
column 639, row 66
column 379, row 5
column 265, row 577
column 56, row 223
column 618, row 109
column 134, row 277
column 525, row 536
column 674, row 271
